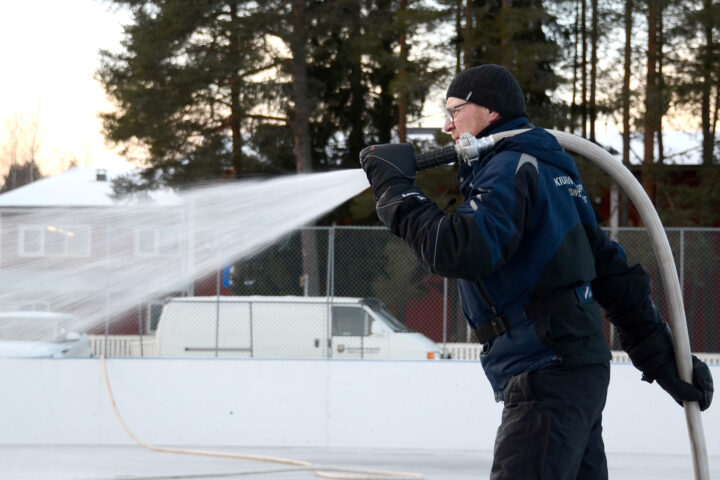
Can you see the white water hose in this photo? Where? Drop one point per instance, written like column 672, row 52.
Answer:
column 673, row 293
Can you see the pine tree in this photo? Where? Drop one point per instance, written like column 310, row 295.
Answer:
column 699, row 59
column 512, row 34
column 20, row 174
column 185, row 87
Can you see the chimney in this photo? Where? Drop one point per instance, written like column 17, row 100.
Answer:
column 101, row 175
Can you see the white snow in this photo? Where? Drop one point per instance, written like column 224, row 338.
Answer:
column 77, row 187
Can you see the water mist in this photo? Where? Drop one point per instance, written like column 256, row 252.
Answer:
column 102, row 262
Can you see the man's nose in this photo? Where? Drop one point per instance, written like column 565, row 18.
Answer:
column 448, row 125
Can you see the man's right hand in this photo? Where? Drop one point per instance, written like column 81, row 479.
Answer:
column 388, row 165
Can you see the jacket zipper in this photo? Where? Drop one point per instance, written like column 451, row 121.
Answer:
column 486, row 297
column 497, row 322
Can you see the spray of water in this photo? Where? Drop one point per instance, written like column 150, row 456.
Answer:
column 101, row 263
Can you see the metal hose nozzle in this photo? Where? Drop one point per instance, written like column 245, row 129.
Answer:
column 467, row 149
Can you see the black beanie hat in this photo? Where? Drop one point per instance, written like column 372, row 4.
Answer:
column 491, row 86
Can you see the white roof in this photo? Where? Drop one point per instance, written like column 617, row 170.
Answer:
column 77, row 187
column 267, row 299
column 36, row 315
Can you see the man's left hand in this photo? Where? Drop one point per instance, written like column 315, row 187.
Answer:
column 701, row 389
column 388, row 165
column 655, row 357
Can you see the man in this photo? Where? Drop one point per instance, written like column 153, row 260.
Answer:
column 533, row 270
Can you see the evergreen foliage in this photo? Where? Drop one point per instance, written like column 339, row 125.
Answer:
column 183, row 86
column 513, row 34
column 206, row 90
column 20, row 174
column 203, row 87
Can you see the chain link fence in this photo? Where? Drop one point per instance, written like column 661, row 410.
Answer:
column 697, row 260
column 305, row 296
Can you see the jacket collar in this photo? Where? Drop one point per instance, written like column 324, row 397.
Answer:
column 505, row 124
column 465, row 172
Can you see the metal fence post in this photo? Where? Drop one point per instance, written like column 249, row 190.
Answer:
column 330, row 288
column 445, row 307
column 332, row 263
column 140, row 329
column 189, row 257
column 682, row 259
column 252, row 345
column 217, row 311
column 107, row 293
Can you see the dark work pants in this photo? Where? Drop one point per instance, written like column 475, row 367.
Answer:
column 552, row 425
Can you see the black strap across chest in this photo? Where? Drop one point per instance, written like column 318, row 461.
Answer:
column 500, row 324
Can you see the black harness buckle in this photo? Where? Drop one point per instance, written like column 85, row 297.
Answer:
column 498, row 325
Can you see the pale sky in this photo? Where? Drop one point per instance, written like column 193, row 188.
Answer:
column 49, row 51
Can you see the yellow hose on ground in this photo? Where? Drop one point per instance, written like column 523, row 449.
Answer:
column 322, row 471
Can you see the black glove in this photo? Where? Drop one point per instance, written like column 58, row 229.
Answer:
column 388, row 165
column 700, row 391
column 655, row 357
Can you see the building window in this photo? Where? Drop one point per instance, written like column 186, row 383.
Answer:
column 157, row 242
column 35, row 307
column 54, row 241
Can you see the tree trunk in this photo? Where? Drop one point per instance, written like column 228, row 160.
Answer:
column 626, row 82
column 593, row 66
column 467, row 50
column 301, row 134
column 402, row 71
column 624, row 207
column 356, row 137
column 708, row 140
column 659, row 106
column 583, row 69
column 660, row 112
column 301, row 112
column 716, row 111
column 576, row 33
column 356, row 140
column 385, row 120
column 34, row 142
column 505, row 33
column 235, row 108
column 459, row 35
column 650, row 120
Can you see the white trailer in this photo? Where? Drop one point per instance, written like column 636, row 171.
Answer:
column 286, row 327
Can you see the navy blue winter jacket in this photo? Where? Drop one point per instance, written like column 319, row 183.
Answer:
column 525, row 235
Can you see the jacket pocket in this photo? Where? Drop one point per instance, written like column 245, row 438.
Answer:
column 569, row 324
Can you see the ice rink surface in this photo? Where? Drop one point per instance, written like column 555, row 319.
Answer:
column 135, row 463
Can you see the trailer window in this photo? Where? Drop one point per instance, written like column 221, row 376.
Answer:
column 350, row 322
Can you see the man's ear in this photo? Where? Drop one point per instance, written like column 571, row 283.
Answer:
column 493, row 115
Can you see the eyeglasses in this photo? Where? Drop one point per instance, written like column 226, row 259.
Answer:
column 451, row 111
